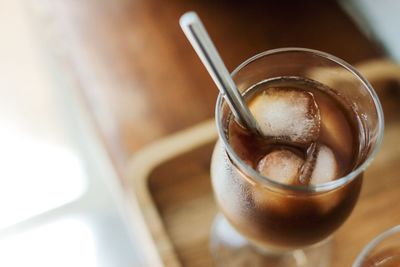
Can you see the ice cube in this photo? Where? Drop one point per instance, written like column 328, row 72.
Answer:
column 336, row 131
column 281, row 165
column 287, row 114
column 325, row 168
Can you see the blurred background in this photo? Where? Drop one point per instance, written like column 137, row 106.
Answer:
column 84, row 85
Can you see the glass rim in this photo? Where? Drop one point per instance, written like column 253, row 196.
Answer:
column 254, row 175
column 373, row 244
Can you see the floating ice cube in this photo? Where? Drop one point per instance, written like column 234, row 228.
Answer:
column 325, row 168
column 287, row 114
column 335, row 130
column 281, row 165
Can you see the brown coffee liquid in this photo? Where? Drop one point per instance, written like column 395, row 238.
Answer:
column 339, row 127
column 284, row 219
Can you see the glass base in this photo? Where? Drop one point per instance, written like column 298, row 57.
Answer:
column 229, row 248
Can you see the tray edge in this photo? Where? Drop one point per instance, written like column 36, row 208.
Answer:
column 139, row 168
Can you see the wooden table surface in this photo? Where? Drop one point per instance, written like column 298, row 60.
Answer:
column 139, row 76
column 138, row 73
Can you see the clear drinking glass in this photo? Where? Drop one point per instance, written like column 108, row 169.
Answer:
column 293, row 224
column 383, row 251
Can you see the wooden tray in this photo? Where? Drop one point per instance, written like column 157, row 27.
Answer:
column 171, row 183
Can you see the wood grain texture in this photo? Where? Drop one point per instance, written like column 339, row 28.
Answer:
column 187, row 215
column 142, row 81
column 138, row 73
column 181, row 193
column 171, row 180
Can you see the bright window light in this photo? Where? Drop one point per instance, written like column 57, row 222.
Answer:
column 36, row 177
column 63, row 243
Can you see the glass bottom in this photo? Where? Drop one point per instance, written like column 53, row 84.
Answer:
column 229, row 248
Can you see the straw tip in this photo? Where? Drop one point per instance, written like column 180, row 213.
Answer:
column 188, row 18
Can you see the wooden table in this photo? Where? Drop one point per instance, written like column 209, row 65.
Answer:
column 141, row 79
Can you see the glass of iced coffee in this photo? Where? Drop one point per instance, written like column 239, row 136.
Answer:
column 282, row 194
column 383, row 251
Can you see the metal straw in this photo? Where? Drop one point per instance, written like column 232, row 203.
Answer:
column 205, row 49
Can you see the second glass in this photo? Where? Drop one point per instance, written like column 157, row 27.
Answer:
column 267, row 223
column 382, row 251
